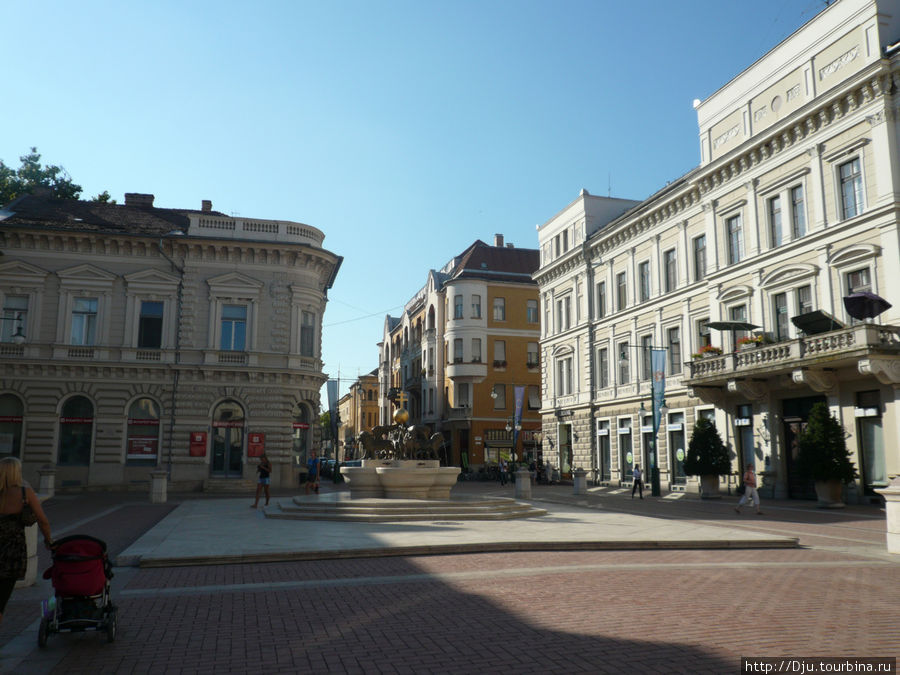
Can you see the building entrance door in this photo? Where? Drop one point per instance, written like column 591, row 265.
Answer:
column 795, row 412
column 228, row 441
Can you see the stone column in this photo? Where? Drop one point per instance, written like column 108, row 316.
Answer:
column 158, row 487
column 523, row 484
column 891, row 496
column 47, row 480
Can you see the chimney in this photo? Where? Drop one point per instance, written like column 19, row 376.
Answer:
column 498, row 240
column 140, row 200
column 206, row 205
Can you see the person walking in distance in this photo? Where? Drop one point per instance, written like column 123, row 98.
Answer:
column 750, row 492
column 502, row 471
column 312, row 475
column 638, row 481
column 19, row 508
column 264, row 468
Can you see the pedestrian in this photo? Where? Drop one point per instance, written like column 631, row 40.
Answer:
column 264, row 468
column 638, row 483
column 502, row 471
column 19, row 508
column 751, row 494
column 312, row 473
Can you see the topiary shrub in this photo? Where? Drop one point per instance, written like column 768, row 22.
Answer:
column 707, row 454
column 822, row 448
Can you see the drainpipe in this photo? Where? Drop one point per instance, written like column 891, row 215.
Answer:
column 175, row 370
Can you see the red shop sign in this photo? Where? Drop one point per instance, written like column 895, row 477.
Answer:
column 76, row 420
column 9, row 418
column 143, row 422
column 299, row 425
column 256, row 443
column 232, row 425
column 198, row 444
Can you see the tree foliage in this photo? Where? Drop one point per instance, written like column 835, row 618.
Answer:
column 822, row 448
column 707, row 454
column 32, row 175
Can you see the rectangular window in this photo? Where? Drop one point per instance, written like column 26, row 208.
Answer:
column 703, row 336
column 673, row 342
column 780, row 314
column 859, row 281
column 671, row 270
column 564, row 376
column 621, row 291
column 531, row 311
column 457, row 350
column 150, row 325
column 798, row 213
column 563, row 314
column 457, row 306
column 644, row 281
column 476, row 350
column 15, row 317
column 738, row 313
column 534, row 397
column 601, row 299
column 462, row 394
column 533, row 357
column 499, row 396
column 307, row 333
column 699, row 257
column 624, row 363
column 851, row 188
column 646, row 345
column 602, row 368
column 476, row 306
column 775, row 221
column 84, row 321
column 735, row 238
column 804, row 300
column 499, row 309
column 499, row 351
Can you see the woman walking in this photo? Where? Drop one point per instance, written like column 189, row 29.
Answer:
column 264, row 468
column 19, row 508
column 750, row 492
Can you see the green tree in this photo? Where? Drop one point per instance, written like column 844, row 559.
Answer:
column 707, row 454
column 822, row 448
column 31, row 175
column 104, row 198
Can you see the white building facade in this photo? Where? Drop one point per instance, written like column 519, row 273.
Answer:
column 794, row 206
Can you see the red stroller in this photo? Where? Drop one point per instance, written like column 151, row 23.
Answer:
column 80, row 575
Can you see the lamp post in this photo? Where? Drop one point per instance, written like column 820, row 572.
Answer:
column 658, row 403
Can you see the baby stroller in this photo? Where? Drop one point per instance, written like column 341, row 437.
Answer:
column 80, row 575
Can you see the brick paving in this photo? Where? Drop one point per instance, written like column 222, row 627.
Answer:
column 538, row 612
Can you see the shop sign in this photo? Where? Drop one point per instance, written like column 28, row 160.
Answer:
column 142, row 447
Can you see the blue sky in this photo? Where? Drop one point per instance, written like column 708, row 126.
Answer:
column 404, row 130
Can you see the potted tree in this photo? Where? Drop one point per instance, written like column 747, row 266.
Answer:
column 707, row 457
column 822, row 455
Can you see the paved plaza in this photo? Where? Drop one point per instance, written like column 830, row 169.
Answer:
column 290, row 596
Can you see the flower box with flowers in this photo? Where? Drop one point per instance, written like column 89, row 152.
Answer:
column 707, row 352
column 749, row 342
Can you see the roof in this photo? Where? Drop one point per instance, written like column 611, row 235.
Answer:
column 497, row 263
column 88, row 216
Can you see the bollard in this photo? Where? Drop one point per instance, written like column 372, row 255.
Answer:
column 31, row 545
column 579, row 479
column 523, row 484
column 891, row 496
column 47, row 480
column 158, row 487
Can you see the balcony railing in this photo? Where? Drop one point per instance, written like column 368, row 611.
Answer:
column 829, row 349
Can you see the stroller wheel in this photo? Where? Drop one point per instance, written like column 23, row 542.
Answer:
column 43, row 632
column 111, row 626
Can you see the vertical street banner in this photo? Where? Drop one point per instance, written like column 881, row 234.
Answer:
column 658, row 368
column 519, row 393
column 332, row 388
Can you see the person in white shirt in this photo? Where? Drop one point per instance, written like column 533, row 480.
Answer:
column 750, row 492
column 638, row 481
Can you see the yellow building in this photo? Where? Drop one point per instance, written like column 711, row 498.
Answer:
column 465, row 344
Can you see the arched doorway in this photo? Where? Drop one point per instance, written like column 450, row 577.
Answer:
column 76, row 432
column 142, row 441
column 11, row 412
column 228, row 441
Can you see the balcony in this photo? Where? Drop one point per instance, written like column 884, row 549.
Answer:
column 467, row 372
column 461, row 413
column 814, row 357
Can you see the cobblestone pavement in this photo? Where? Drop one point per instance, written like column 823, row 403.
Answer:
column 548, row 612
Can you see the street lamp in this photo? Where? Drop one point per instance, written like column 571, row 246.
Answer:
column 657, row 400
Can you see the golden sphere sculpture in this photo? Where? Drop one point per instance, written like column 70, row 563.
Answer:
column 401, row 416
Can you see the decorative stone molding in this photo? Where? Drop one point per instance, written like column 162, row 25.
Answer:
column 755, row 390
column 886, row 369
column 709, row 395
column 822, row 381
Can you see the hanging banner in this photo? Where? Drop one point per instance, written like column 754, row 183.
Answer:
column 658, row 368
column 519, row 393
column 332, row 388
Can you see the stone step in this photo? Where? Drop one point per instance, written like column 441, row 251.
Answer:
column 228, row 485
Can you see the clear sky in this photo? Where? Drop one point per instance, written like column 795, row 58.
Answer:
column 403, row 129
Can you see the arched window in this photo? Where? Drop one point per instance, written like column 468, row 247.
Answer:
column 76, row 431
column 11, row 411
column 228, row 440
column 142, row 444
